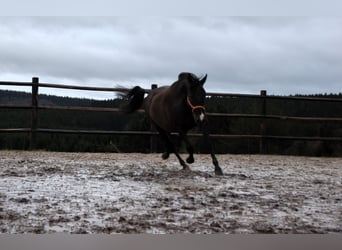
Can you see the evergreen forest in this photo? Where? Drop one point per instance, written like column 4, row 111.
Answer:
column 115, row 121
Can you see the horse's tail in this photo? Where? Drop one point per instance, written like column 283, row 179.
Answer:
column 135, row 97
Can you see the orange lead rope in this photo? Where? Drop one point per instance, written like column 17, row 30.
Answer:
column 192, row 106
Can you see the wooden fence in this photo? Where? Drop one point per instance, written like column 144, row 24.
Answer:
column 262, row 136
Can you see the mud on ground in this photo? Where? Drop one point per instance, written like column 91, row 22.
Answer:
column 48, row 192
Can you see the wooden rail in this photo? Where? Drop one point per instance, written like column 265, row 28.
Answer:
column 262, row 136
column 97, row 109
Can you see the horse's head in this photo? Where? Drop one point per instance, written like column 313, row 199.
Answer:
column 195, row 95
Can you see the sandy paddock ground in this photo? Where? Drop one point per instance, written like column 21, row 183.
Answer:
column 48, row 192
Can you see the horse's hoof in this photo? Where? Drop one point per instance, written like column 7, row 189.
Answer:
column 218, row 171
column 186, row 168
column 190, row 159
column 165, row 155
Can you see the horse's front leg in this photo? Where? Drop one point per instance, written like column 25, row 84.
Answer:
column 189, row 148
column 218, row 170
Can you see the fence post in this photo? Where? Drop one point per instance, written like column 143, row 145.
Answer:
column 262, row 148
column 34, row 112
column 153, row 139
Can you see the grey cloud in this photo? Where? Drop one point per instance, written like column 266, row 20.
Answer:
column 283, row 54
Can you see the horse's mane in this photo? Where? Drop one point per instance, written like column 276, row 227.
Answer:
column 186, row 75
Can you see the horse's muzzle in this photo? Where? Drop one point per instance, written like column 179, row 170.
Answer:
column 199, row 116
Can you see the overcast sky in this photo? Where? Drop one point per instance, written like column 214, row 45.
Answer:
column 284, row 55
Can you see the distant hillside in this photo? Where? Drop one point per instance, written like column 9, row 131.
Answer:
column 86, row 120
column 9, row 97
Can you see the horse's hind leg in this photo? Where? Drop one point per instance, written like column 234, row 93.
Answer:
column 189, row 148
column 171, row 148
column 166, row 155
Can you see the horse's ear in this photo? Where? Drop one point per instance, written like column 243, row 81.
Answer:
column 202, row 81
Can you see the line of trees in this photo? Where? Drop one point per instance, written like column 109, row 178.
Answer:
column 87, row 120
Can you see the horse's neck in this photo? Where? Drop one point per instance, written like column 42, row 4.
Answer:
column 178, row 90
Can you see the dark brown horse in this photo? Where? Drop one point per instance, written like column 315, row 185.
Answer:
column 177, row 108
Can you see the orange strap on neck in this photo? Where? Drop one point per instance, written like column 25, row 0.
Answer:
column 192, row 106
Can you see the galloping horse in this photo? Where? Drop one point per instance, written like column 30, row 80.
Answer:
column 176, row 108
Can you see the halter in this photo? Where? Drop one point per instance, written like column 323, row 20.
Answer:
column 194, row 107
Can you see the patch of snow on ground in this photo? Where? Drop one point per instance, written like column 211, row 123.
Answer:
column 47, row 192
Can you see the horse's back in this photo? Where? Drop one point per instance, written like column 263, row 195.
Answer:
column 155, row 95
